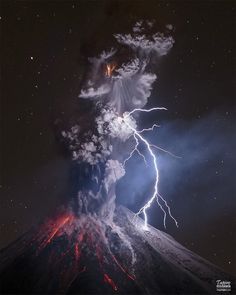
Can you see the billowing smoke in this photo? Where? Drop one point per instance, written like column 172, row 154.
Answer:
column 119, row 91
column 128, row 85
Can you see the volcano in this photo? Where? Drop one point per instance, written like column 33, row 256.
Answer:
column 84, row 255
column 93, row 245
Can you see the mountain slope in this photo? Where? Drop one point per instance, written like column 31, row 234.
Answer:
column 85, row 255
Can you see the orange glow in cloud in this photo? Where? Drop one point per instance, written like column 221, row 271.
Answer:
column 109, row 69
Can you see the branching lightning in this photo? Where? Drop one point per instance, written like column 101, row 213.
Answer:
column 138, row 139
column 136, row 150
column 149, row 129
column 126, row 86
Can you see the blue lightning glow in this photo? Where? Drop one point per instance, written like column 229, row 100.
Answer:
column 139, row 138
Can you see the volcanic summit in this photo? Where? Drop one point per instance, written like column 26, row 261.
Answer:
column 71, row 255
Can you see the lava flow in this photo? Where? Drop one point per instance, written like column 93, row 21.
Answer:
column 85, row 235
column 85, row 254
column 108, row 280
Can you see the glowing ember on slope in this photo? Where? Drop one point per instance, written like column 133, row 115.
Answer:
column 122, row 268
column 108, row 280
column 77, row 252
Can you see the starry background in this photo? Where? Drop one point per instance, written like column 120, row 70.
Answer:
column 43, row 45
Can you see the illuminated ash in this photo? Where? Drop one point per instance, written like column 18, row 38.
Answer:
column 127, row 85
column 158, row 43
column 140, row 139
column 119, row 91
column 111, row 124
column 145, row 42
column 95, row 93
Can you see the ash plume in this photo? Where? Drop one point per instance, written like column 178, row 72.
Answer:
column 115, row 87
column 129, row 85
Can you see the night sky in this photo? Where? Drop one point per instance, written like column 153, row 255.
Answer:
column 44, row 45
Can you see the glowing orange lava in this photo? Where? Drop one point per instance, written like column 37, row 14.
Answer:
column 57, row 227
column 108, row 280
column 77, row 252
column 122, row 268
column 109, row 69
column 79, row 236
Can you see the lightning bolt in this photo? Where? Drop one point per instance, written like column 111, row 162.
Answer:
column 139, row 138
column 149, row 129
column 135, row 150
